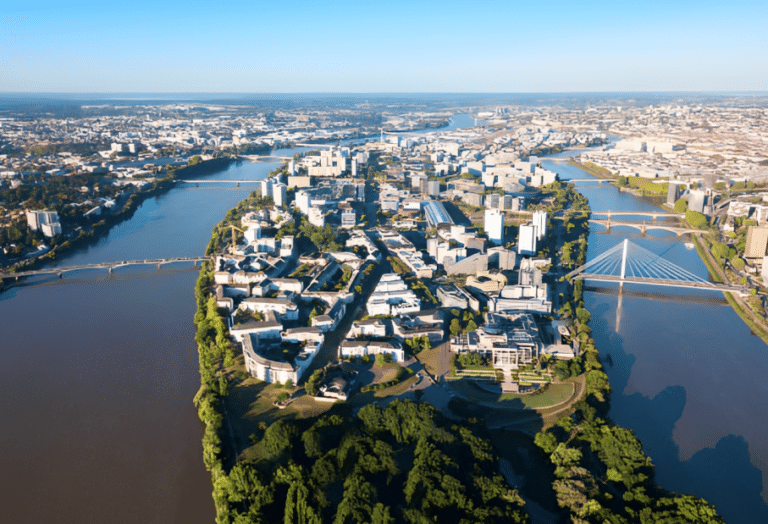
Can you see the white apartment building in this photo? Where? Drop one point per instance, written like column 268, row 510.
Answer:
column 526, row 240
column 279, row 194
column 392, row 297
column 494, row 226
column 45, row 221
column 303, row 201
column 540, row 221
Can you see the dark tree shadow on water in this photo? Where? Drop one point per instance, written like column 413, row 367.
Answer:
column 723, row 475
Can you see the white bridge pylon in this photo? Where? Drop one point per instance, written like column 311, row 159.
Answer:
column 631, row 262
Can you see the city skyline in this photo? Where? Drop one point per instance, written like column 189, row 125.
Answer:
column 346, row 47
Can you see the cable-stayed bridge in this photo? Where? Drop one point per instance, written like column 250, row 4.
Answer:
column 629, row 263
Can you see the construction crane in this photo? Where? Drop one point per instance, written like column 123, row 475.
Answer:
column 232, row 229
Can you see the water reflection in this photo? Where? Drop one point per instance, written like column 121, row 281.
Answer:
column 687, row 374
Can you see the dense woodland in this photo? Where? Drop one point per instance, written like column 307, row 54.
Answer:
column 405, row 463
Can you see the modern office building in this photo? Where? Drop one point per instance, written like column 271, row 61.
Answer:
column 392, row 297
column 348, row 218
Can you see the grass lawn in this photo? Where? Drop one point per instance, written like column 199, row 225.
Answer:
column 397, row 389
column 252, row 402
column 386, row 372
column 431, row 360
column 554, row 394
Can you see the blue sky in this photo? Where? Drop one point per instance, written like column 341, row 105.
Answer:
column 397, row 46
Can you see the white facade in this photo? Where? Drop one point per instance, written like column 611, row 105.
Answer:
column 266, row 187
column 253, row 233
column 540, row 221
column 348, row 218
column 303, row 201
column 526, row 241
column 494, row 226
column 45, row 221
column 284, row 308
column 279, row 195
column 392, row 297
column 316, row 217
column 350, row 348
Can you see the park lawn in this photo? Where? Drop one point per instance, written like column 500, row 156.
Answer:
column 397, row 389
column 479, row 372
column 431, row 360
column 252, row 402
column 647, row 184
column 472, row 391
column 554, row 394
column 386, row 372
column 532, row 377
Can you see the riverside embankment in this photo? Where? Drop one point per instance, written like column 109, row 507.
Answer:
column 98, row 372
column 687, row 374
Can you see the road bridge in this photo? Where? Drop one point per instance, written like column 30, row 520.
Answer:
column 644, row 226
column 329, row 146
column 102, row 265
column 653, row 214
column 582, row 180
column 221, row 181
column 264, row 158
column 629, row 263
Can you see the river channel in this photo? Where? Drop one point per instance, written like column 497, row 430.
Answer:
column 98, row 372
column 688, row 377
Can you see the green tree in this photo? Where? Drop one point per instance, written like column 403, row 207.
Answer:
column 278, row 437
column 681, row 206
column 455, row 327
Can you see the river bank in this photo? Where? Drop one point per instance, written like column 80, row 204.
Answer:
column 756, row 323
column 685, row 386
column 128, row 207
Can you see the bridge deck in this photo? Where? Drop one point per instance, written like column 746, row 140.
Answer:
column 661, row 282
column 220, row 181
column 101, row 265
column 645, row 225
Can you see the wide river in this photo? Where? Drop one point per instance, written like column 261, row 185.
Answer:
column 98, row 372
column 688, row 376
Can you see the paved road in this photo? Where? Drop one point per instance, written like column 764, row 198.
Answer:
column 330, row 348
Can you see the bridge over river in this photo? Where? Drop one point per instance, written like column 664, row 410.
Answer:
column 103, row 265
column 644, row 226
column 629, row 263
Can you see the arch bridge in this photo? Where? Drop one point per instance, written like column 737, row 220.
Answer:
column 644, row 226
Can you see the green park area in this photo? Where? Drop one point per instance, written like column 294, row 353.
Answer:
column 548, row 396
